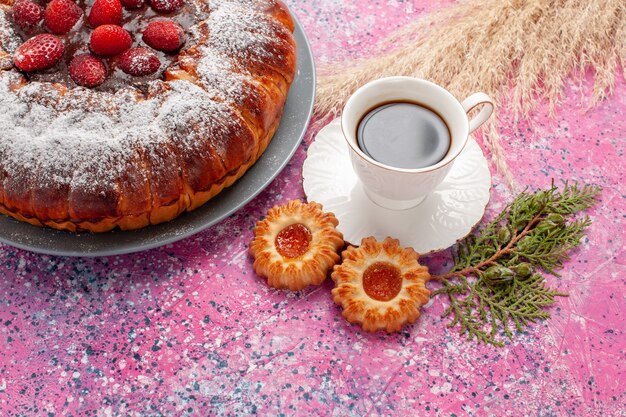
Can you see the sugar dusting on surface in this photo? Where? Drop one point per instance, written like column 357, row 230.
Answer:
column 86, row 148
column 247, row 32
column 9, row 40
column 86, row 139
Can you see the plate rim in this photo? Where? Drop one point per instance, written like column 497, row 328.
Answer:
column 306, row 58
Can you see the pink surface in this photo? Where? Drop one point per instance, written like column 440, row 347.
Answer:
column 188, row 329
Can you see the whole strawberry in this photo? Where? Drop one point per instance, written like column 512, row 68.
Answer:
column 139, row 61
column 105, row 12
column 27, row 14
column 61, row 16
column 166, row 6
column 109, row 40
column 133, row 4
column 164, row 35
column 38, row 53
column 87, row 70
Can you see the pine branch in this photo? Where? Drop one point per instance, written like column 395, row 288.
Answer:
column 496, row 286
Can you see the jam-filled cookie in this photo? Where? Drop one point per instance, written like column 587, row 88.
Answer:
column 296, row 245
column 380, row 285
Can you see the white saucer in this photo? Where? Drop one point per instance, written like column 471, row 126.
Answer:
column 444, row 217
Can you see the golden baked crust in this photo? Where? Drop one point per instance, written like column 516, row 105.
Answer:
column 380, row 285
column 85, row 160
column 297, row 261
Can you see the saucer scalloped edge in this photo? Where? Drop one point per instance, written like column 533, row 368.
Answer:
column 447, row 215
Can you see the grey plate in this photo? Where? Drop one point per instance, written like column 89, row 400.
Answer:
column 296, row 116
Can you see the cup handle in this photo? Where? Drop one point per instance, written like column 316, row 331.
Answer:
column 474, row 100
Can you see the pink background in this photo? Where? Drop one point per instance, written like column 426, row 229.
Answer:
column 189, row 329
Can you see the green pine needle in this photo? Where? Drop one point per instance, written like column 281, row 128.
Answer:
column 495, row 286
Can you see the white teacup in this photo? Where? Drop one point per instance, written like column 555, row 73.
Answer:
column 399, row 188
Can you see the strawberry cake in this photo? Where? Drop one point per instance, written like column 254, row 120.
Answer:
column 126, row 113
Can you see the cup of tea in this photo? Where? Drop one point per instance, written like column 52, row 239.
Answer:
column 404, row 134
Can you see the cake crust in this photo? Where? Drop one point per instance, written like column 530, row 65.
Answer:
column 77, row 159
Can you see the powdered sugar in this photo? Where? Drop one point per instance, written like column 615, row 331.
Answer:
column 38, row 138
column 9, row 40
column 229, row 23
column 87, row 140
column 218, row 76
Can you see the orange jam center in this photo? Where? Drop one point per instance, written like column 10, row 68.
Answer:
column 293, row 241
column 382, row 281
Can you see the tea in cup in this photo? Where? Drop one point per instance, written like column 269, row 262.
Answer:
column 404, row 135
